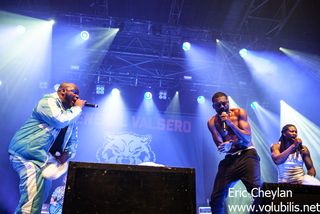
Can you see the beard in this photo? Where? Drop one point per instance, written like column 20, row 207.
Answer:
column 68, row 103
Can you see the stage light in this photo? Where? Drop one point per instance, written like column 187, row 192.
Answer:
column 148, row 95
column 163, row 94
column 186, row 46
column 51, row 21
column 20, row 29
column 217, row 41
column 187, row 77
column 115, row 92
column 74, row 67
column 43, row 85
column 84, row 35
column 56, row 87
column 99, row 89
column 201, row 100
column 243, row 52
column 177, row 92
column 0, row 82
column 254, row 104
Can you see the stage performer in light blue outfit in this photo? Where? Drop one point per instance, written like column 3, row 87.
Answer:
column 50, row 133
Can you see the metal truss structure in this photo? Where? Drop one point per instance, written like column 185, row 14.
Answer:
column 148, row 54
column 267, row 19
column 144, row 54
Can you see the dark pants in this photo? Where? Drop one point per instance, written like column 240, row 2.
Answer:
column 244, row 167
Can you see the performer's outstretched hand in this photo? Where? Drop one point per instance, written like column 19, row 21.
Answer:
column 225, row 147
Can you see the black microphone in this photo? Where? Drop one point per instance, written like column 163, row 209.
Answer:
column 91, row 105
column 300, row 147
column 224, row 125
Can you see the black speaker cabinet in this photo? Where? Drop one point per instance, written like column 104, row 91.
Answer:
column 129, row 189
column 287, row 198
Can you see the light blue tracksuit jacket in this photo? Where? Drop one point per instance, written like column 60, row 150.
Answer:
column 30, row 146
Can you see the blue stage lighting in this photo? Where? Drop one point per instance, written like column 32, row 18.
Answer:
column 115, row 92
column 254, row 104
column 52, row 22
column 20, row 29
column 187, row 77
column 148, row 95
column 84, row 35
column 243, row 52
column 186, row 46
column 163, row 94
column 99, row 89
column 56, row 86
column 201, row 99
column 43, row 85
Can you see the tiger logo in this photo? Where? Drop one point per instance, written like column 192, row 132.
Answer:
column 126, row 148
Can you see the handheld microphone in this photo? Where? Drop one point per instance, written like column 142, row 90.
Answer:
column 224, row 125
column 91, row 105
column 300, row 147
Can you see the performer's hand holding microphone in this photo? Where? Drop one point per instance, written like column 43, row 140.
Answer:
column 298, row 144
column 223, row 117
column 80, row 103
column 83, row 103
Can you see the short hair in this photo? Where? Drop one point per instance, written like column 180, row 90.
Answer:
column 218, row 94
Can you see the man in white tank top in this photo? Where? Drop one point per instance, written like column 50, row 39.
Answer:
column 289, row 155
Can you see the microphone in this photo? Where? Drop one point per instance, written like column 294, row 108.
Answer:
column 91, row 105
column 224, row 125
column 300, row 147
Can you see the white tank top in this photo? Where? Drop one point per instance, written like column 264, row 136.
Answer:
column 291, row 171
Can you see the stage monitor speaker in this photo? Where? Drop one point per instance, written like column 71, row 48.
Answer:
column 129, row 189
column 287, row 198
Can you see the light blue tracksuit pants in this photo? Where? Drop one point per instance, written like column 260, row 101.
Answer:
column 33, row 188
